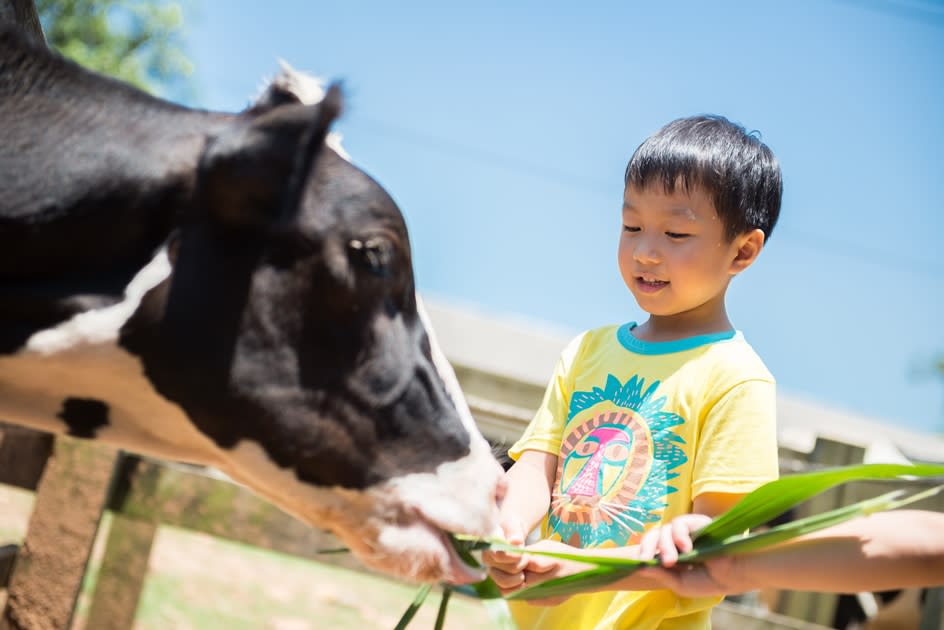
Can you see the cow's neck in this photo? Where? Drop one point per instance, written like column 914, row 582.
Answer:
column 94, row 171
column 90, row 197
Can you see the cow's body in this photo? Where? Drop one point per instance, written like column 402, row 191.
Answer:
column 226, row 290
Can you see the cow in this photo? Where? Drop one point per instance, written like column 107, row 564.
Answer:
column 228, row 290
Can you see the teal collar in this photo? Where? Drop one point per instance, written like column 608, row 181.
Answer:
column 630, row 342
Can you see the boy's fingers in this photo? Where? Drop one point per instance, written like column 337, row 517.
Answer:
column 507, row 581
column 542, row 564
column 510, row 564
column 514, row 532
column 649, row 544
column 682, row 536
column 668, row 554
column 500, row 557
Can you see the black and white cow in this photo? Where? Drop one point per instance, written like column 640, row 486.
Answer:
column 228, row 290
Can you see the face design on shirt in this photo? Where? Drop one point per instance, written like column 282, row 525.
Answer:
column 614, row 465
column 598, row 459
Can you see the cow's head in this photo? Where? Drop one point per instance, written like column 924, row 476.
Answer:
column 290, row 333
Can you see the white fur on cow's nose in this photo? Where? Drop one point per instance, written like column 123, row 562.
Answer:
column 459, row 496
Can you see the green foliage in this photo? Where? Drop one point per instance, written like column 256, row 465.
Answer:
column 138, row 41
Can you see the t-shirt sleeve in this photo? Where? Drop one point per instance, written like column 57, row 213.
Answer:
column 737, row 444
column 545, row 431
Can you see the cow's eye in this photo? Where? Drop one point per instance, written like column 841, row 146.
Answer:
column 373, row 254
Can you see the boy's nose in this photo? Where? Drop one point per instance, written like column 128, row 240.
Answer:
column 645, row 252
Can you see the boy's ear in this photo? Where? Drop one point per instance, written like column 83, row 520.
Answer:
column 749, row 245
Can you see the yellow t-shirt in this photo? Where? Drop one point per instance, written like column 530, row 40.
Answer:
column 640, row 429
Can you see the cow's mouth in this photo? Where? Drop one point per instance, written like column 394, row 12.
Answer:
column 435, row 555
column 458, row 570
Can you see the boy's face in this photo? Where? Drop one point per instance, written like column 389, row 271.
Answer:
column 673, row 253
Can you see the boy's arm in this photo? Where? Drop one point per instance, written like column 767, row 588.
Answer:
column 528, row 494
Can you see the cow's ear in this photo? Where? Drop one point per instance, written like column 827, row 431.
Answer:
column 254, row 171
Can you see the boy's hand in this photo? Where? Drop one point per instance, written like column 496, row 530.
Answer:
column 506, row 568
column 667, row 541
column 513, row 571
column 542, row 568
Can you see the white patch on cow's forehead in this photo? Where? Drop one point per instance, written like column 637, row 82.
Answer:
column 309, row 90
column 102, row 325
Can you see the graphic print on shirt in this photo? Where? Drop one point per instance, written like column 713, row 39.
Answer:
column 615, row 464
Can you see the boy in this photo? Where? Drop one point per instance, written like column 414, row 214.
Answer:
column 641, row 424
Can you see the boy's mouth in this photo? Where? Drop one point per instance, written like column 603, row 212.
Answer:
column 650, row 285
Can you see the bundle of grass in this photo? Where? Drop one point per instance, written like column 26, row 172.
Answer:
column 731, row 533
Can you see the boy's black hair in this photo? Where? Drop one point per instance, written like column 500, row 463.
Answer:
column 738, row 171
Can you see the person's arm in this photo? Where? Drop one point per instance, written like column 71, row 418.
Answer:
column 882, row 551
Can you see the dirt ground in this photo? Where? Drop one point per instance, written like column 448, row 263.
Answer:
column 197, row 582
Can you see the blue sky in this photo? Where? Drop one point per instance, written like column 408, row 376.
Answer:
column 502, row 129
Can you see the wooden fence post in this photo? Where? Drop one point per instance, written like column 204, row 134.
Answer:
column 932, row 613
column 23, row 455
column 125, row 561
column 48, row 570
column 820, row 608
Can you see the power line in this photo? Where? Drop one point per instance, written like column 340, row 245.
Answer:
column 813, row 240
column 926, row 13
column 491, row 158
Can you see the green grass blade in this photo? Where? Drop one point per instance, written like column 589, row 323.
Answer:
column 415, row 606
column 776, row 497
column 332, row 550
column 576, row 583
column 464, row 545
column 626, row 563
column 443, row 603
column 486, row 589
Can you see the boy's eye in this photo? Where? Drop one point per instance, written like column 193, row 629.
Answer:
column 630, row 228
column 677, row 235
